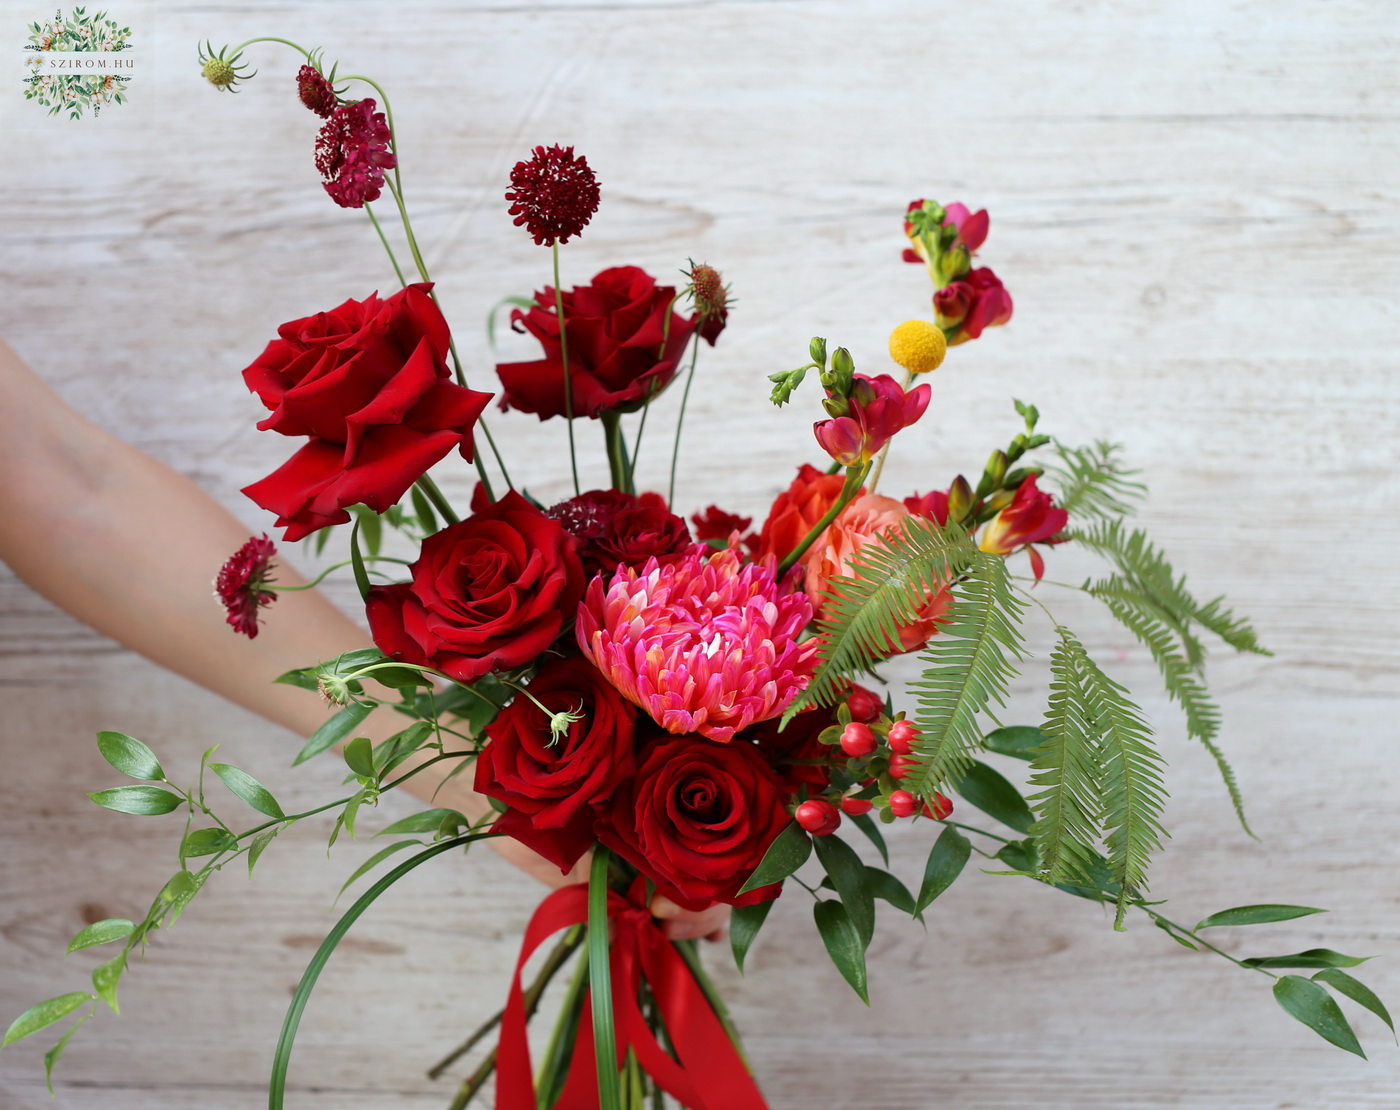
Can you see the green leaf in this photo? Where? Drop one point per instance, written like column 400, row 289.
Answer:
column 372, row 526
column 129, row 756
column 205, row 842
column 400, row 678
column 259, row 845
column 786, row 854
column 105, row 978
column 357, row 562
column 1357, row 991
column 359, row 756
column 744, row 924
column 847, row 874
column 248, row 788
column 1014, row 740
column 423, row 508
column 334, row 730
column 180, row 891
column 44, row 1014
column 990, row 792
column 1256, row 915
column 145, row 801
column 1021, row 856
column 889, row 889
column 843, row 944
column 52, row 1055
column 1316, row 1009
column 946, row 860
column 1181, row 940
column 1313, row 957
column 863, row 822
column 376, row 859
column 429, row 820
column 101, row 932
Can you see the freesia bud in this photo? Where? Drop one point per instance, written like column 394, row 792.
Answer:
column 817, row 349
column 1000, row 499
column 951, row 303
column 954, row 263
column 960, row 499
column 996, row 467
column 842, row 367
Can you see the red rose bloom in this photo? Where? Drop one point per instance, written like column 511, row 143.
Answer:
column 620, row 350
column 368, row 382
column 551, row 782
column 797, row 509
column 494, row 590
column 696, row 819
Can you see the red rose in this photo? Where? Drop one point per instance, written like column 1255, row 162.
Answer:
column 551, row 782
column 696, row 819
column 797, row 509
column 617, row 529
column 368, row 382
column 620, row 350
column 494, row 590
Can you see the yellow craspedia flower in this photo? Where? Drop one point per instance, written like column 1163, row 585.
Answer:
column 918, row 346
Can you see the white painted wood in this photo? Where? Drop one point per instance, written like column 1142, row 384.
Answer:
column 1194, row 207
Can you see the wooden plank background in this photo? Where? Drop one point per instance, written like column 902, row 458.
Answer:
column 1195, row 208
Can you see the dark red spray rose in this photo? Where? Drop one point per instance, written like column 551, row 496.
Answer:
column 553, row 781
column 494, row 590
column 617, row 529
column 793, row 752
column 368, row 383
column 620, row 350
column 696, row 819
column 718, row 528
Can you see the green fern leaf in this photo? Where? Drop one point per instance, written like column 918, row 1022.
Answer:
column 1233, row 630
column 889, row 583
column 1093, row 483
column 966, row 667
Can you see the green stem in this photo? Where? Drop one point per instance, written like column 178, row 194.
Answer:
column 384, row 239
column 472, row 1084
column 549, row 1082
column 885, row 450
column 564, row 358
column 600, row 983
column 617, row 450
column 680, row 420
column 637, row 450
column 330, row 570
column 282, row 1055
column 689, row 953
column 854, row 477
column 269, row 38
column 435, row 495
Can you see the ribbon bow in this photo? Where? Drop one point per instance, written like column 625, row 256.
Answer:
column 706, row 1071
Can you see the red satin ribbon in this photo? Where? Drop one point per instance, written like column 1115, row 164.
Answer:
column 706, row 1072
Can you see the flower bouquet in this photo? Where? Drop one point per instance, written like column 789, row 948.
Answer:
column 687, row 708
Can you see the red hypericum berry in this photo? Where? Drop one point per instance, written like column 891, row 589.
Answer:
column 857, row 740
column 856, row 806
column 315, row 91
column 241, row 584
column 818, row 817
column 552, row 195
column 903, row 803
column 901, row 765
column 902, row 737
column 938, row 808
column 865, row 705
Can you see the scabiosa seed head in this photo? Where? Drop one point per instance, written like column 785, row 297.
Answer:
column 220, row 70
column 711, row 300
column 315, row 91
column 552, row 194
column 352, row 153
column 241, row 582
column 218, row 73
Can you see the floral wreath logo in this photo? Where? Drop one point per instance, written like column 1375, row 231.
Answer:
column 75, row 92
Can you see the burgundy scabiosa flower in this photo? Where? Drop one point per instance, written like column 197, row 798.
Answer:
column 703, row 644
column 315, row 91
column 552, row 194
column 241, row 581
column 352, row 153
column 711, row 300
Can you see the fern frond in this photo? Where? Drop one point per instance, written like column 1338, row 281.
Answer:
column 966, row 666
column 1130, row 781
column 1093, row 482
column 1234, row 630
column 1065, row 766
column 889, row 583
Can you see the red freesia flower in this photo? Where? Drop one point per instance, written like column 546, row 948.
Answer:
column 696, row 819
column 494, row 590
column 879, row 408
column 553, row 781
column 352, row 153
column 240, row 584
column 621, row 351
column 315, row 91
column 933, row 505
column 972, row 226
column 1030, row 518
column 976, row 302
column 553, row 195
column 368, row 383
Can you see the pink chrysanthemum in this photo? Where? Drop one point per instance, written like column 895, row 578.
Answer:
column 553, row 195
column 707, row 645
column 315, row 91
column 241, row 581
column 352, row 153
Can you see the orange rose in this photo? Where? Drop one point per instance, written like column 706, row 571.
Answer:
column 862, row 522
column 796, row 509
